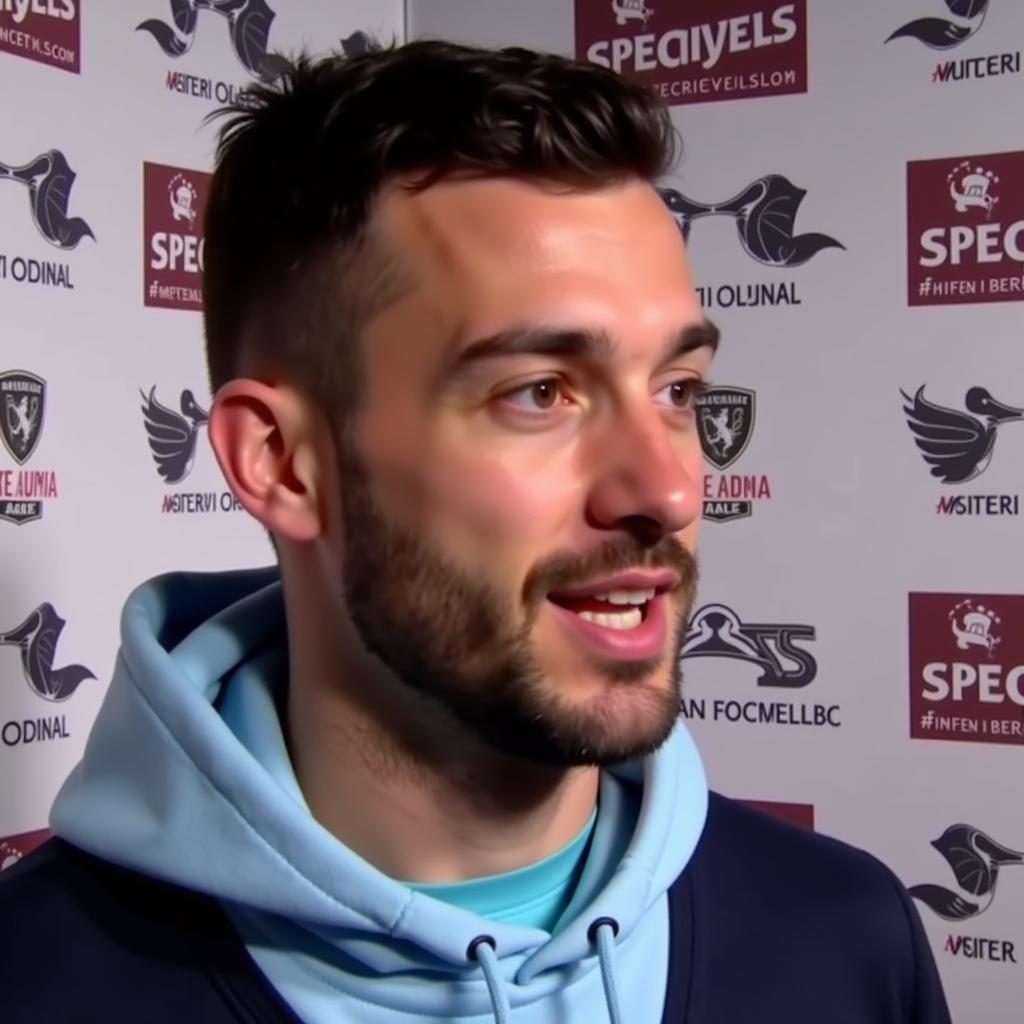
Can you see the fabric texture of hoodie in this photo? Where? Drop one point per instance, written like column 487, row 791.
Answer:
column 168, row 788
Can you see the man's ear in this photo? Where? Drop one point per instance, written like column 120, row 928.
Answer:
column 269, row 440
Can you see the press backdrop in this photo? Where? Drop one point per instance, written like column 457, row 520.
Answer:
column 852, row 192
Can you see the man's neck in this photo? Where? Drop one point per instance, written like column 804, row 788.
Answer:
column 403, row 785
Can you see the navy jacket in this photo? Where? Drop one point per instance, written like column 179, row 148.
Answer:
column 769, row 924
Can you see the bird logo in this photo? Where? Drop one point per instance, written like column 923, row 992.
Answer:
column 172, row 436
column 716, row 631
column 765, row 214
column 975, row 859
column 49, row 179
column 22, row 403
column 37, row 639
column 249, row 24
column 957, row 445
column 941, row 33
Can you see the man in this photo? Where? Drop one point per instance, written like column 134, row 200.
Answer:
column 430, row 767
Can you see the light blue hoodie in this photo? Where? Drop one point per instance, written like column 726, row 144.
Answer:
column 166, row 787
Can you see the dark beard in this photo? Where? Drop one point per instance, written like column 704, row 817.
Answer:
column 450, row 635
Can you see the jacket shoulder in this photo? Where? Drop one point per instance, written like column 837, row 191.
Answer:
column 86, row 940
column 799, row 926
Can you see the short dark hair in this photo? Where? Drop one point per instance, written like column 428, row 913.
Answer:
column 290, row 270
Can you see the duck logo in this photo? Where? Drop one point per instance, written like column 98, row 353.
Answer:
column 631, row 10
column 975, row 859
column 965, row 230
column 249, row 24
column 957, row 445
column 943, row 33
column 173, row 436
column 36, row 638
column 967, row 667
column 49, row 180
column 765, row 214
column 716, row 631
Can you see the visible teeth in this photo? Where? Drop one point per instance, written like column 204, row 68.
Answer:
column 614, row 620
column 626, row 596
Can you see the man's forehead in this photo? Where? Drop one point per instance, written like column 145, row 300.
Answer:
column 460, row 221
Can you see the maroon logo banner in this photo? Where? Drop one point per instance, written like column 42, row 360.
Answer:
column 701, row 51
column 46, row 31
column 13, row 848
column 174, row 200
column 965, row 228
column 967, row 667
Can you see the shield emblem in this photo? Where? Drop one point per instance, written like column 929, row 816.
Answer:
column 22, row 404
column 725, row 423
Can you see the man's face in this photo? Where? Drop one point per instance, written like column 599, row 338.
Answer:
column 521, row 491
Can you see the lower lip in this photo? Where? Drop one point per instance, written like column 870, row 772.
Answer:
column 645, row 641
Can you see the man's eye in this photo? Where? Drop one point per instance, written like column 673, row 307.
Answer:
column 537, row 396
column 680, row 394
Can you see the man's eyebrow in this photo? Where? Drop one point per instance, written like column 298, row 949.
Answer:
column 574, row 343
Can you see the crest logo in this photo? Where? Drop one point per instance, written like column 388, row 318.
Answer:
column 765, row 214
column 23, row 396
column 22, row 415
column 725, row 423
column 942, row 33
column 975, row 859
column 249, row 24
column 716, row 632
column 36, row 639
column 957, row 445
column 49, row 180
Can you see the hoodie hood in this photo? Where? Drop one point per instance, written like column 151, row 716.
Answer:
column 167, row 789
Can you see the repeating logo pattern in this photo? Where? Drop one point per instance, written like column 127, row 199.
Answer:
column 172, row 435
column 248, row 23
column 36, row 640
column 716, row 631
column 975, row 860
column 49, row 180
column 958, row 446
column 174, row 200
column 701, row 51
column 965, row 219
column 725, row 424
column 45, row 31
column 967, row 667
column 22, row 415
column 943, row 33
column 765, row 215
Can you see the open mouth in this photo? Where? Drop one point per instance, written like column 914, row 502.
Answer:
column 615, row 609
column 625, row 617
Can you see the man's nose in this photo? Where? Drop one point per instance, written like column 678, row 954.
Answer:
column 642, row 484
